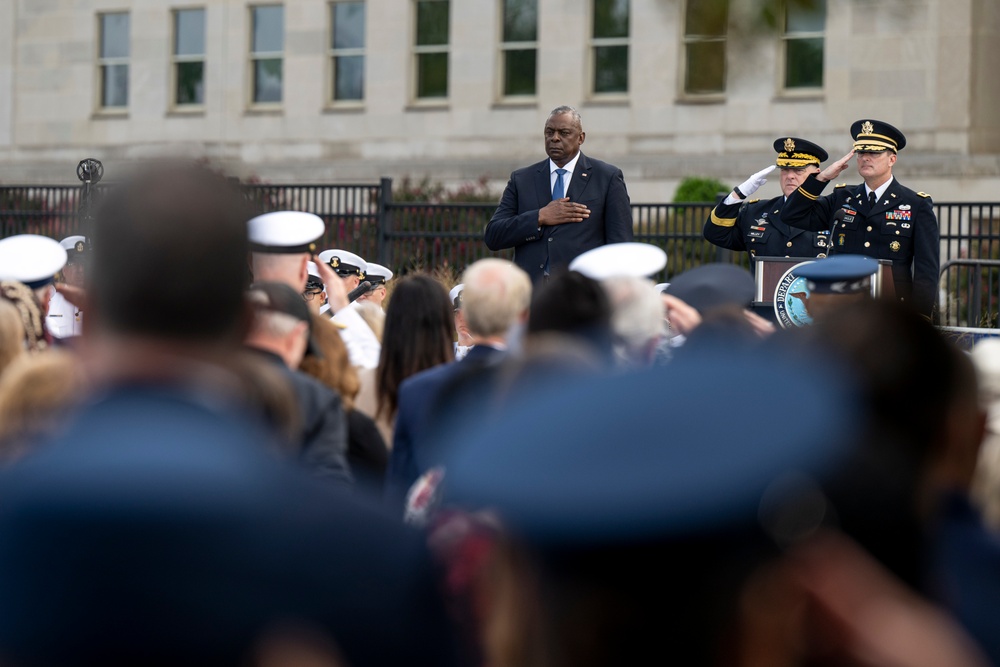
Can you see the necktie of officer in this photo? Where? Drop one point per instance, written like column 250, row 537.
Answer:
column 559, row 190
column 871, row 200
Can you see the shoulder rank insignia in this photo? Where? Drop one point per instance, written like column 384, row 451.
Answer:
column 753, row 201
column 840, row 185
column 924, row 195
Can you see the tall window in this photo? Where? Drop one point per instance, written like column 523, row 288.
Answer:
column 610, row 46
column 803, row 43
column 347, row 50
column 431, row 48
column 519, row 47
column 705, row 46
column 113, row 54
column 189, row 57
column 267, row 45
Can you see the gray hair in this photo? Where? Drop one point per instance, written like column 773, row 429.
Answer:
column 560, row 110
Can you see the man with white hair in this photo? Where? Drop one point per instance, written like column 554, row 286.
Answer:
column 495, row 298
column 636, row 319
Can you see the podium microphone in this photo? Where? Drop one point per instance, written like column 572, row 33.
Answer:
column 359, row 291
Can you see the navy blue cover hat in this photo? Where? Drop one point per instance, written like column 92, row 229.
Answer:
column 713, row 285
column 794, row 152
column 875, row 136
column 571, row 472
column 840, row 274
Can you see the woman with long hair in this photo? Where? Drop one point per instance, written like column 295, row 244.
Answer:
column 417, row 336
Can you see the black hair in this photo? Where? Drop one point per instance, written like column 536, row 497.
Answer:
column 170, row 254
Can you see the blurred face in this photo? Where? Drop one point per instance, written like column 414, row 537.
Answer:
column 875, row 168
column 377, row 295
column 73, row 273
column 793, row 177
column 315, row 298
column 563, row 138
column 351, row 281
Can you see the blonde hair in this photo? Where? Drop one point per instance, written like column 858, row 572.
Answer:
column 334, row 368
column 11, row 334
column 36, row 394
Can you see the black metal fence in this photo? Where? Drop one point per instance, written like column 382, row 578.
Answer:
column 408, row 236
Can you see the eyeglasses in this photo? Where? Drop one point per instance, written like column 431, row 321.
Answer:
column 309, row 295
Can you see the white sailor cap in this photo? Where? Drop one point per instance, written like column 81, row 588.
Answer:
column 313, row 281
column 641, row 260
column 456, row 295
column 378, row 274
column 31, row 259
column 286, row 232
column 344, row 263
column 77, row 247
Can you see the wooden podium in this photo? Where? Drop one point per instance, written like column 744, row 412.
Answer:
column 768, row 272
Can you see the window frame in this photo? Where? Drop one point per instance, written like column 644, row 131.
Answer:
column 593, row 43
column 254, row 56
column 426, row 49
column 684, row 94
column 502, row 48
column 782, row 70
column 333, row 53
column 102, row 62
column 177, row 59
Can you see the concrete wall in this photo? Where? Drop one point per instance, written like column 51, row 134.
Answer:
column 925, row 66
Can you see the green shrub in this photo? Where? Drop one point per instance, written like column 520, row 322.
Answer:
column 696, row 189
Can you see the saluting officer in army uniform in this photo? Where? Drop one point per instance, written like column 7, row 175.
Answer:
column 756, row 226
column 879, row 218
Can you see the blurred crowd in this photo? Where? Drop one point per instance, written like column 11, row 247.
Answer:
column 222, row 444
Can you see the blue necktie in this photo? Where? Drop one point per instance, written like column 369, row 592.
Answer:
column 559, row 191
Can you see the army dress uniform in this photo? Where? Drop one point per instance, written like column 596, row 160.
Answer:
column 756, row 225
column 901, row 226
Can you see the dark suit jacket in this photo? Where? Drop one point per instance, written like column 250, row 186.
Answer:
column 598, row 185
column 902, row 227
column 419, row 411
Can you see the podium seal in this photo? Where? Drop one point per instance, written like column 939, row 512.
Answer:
column 791, row 299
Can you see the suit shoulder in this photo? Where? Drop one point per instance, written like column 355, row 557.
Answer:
column 600, row 165
column 761, row 204
column 530, row 169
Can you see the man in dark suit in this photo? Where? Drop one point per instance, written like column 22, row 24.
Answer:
column 558, row 208
column 755, row 225
column 879, row 218
column 496, row 296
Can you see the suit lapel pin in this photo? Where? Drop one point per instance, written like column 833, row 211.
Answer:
column 584, row 175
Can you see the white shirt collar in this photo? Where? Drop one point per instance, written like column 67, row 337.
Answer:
column 880, row 190
column 569, row 166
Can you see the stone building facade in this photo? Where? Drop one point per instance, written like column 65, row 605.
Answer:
column 319, row 91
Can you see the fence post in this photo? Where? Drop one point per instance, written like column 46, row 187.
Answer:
column 383, row 220
column 722, row 255
column 89, row 171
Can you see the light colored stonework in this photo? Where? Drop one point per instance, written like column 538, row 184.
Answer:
column 926, row 66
